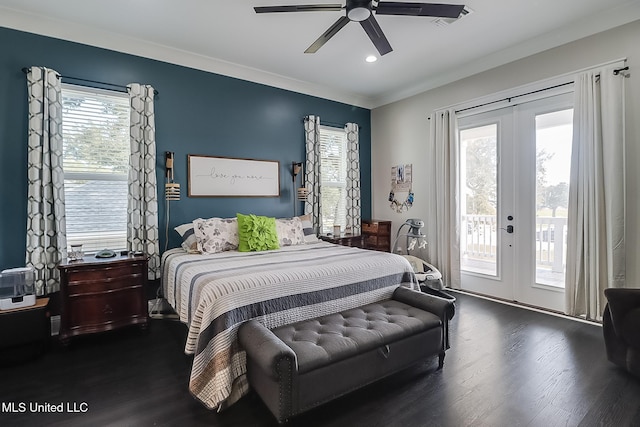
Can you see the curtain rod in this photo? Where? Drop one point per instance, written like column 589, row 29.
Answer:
column 615, row 73
column 331, row 124
column 514, row 96
column 619, row 70
column 121, row 87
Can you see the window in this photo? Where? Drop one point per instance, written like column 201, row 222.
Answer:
column 333, row 178
column 95, row 128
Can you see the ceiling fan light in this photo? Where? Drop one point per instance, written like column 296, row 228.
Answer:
column 359, row 13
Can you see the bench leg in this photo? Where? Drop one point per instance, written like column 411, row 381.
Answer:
column 441, row 360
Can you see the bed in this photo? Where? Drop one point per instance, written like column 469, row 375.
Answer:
column 214, row 293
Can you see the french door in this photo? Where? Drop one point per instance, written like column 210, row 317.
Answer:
column 514, row 186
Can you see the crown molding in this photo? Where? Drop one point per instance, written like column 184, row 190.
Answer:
column 45, row 26
column 607, row 20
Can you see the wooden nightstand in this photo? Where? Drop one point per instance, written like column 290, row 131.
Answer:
column 24, row 332
column 101, row 294
column 353, row 240
column 377, row 234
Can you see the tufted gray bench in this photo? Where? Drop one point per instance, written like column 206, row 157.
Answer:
column 296, row 367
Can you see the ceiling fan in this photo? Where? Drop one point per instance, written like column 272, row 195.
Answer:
column 362, row 11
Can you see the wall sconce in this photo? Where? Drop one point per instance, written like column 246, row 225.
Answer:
column 171, row 189
column 301, row 192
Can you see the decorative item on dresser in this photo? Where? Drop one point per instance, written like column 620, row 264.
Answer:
column 101, row 294
column 377, row 234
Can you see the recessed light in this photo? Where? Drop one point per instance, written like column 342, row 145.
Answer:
column 371, row 58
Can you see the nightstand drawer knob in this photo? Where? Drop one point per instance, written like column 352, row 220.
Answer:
column 107, row 309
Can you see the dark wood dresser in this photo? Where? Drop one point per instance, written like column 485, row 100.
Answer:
column 353, row 240
column 101, row 294
column 377, row 234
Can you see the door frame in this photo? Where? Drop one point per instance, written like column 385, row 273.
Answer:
column 516, row 197
column 484, row 283
column 531, row 292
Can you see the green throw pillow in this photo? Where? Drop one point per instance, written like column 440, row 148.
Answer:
column 256, row 233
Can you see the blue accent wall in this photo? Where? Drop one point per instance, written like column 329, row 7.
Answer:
column 197, row 112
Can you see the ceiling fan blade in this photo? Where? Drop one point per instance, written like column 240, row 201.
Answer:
column 332, row 31
column 373, row 30
column 298, row 8
column 419, row 9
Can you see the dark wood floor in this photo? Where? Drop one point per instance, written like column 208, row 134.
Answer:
column 507, row 367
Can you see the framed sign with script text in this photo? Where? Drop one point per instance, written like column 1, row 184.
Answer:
column 229, row 177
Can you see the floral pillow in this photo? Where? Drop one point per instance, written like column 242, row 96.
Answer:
column 289, row 231
column 216, row 234
column 257, row 233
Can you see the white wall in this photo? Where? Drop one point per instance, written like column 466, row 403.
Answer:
column 400, row 130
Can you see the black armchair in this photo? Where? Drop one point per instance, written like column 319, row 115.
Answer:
column 621, row 328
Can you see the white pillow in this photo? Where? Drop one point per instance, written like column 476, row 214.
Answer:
column 189, row 242
column 290, row 231
column 307, row 229
column 216, row 234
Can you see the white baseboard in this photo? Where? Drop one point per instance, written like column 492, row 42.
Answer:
column 526, row 307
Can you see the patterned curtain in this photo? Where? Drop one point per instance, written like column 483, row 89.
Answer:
column 46, row 226
column 353, row 178
column 142, row 212
column 313, row 205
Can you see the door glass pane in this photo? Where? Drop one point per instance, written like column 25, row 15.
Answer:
column 479, row 198
column 553, row 161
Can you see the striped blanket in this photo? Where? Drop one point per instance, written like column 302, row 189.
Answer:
column 214, row 294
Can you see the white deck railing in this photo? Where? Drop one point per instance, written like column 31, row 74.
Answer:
column 550, row 242
column 479, row 239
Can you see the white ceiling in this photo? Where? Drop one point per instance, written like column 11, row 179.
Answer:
column 229, row 38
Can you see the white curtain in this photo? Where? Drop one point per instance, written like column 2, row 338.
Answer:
column 313, row 205
column 595, row 240
column 142, row 212
column 354, row 208
column 443, row 220
column 46, row 227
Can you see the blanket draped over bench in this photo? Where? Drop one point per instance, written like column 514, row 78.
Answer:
column 214, row 294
